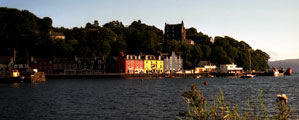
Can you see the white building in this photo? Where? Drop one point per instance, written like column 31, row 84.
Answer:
column 210, row 68
column 173, row 63
column 230, row 68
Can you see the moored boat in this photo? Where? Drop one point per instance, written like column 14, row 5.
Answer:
column 11, row 77
column 288, row 72
column 247, row 76
column 273, row 72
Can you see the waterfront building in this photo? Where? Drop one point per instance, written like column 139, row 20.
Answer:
column 205, row 66
column 230, row 68
column 92, row 65
column 153, row 65
column 43, row 65
column 120, row 63
column 173, row 63
column 133, row 64
column 87, row 65
column 175, row 32
column 199, row 69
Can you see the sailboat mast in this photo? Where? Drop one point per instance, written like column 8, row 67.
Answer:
column 249, row 60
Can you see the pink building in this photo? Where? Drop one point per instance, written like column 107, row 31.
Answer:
column 133, row 64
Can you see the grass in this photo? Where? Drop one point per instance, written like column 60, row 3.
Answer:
column 200, row 109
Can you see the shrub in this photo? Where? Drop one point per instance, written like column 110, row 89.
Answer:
column 200, row 109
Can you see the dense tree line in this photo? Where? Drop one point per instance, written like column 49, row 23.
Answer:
column 26, row 33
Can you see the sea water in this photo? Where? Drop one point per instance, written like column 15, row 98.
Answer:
column 157, row 98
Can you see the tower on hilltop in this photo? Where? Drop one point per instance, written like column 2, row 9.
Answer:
column 175, row 32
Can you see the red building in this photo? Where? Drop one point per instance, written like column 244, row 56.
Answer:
column 133, row 64
column 120, row 62
column 43, row 65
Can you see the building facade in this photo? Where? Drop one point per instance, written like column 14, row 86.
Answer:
column 134, row 64
column 205, row 66
column 173, row 63
column 230, row 68
column 120, row 63
column 90, row 65
column 153, row 65
column 43, row 65
column 175, row 32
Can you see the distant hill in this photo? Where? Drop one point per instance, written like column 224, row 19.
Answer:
column 292, row 63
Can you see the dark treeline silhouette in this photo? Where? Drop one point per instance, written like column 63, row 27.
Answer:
column 26, row 33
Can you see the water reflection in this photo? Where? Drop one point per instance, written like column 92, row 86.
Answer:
column 15, row 85
column 132, row 99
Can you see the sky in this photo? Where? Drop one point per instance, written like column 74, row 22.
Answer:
column 269, row 25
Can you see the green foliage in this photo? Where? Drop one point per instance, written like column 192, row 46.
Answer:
column 200, row 109
column 26, row 33
column 198, row 38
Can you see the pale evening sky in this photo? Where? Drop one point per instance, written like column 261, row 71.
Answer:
column 269, row 25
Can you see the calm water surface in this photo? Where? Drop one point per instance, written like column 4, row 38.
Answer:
column 131, row 98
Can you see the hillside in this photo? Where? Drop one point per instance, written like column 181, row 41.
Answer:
column 292, row 63
column 24, row 32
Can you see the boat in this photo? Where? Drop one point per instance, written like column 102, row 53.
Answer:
column 167, row 76
column 288, row 72
column 15, row 77
column 11, row 77
column 273, row 72
column 198, row 76
column 247, row 76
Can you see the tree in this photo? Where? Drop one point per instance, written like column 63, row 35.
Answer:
column 171, row 45
column 206, row 49
column 26, row 33
column 219, row 56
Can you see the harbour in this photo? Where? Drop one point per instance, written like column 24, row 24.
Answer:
column 155, row 98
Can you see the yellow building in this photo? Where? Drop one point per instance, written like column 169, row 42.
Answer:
column 153, row 65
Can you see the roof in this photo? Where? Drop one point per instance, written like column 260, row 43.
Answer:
column 203, row 63
column 175, row 25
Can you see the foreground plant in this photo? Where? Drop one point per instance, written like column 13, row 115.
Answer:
column 200, row 109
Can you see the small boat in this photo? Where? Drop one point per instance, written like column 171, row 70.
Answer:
column 167, row 76
column 15, row 77
column 211, row 76
column 199, row 76
column 273, row 72
column 288, row 72
column 247, row 76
